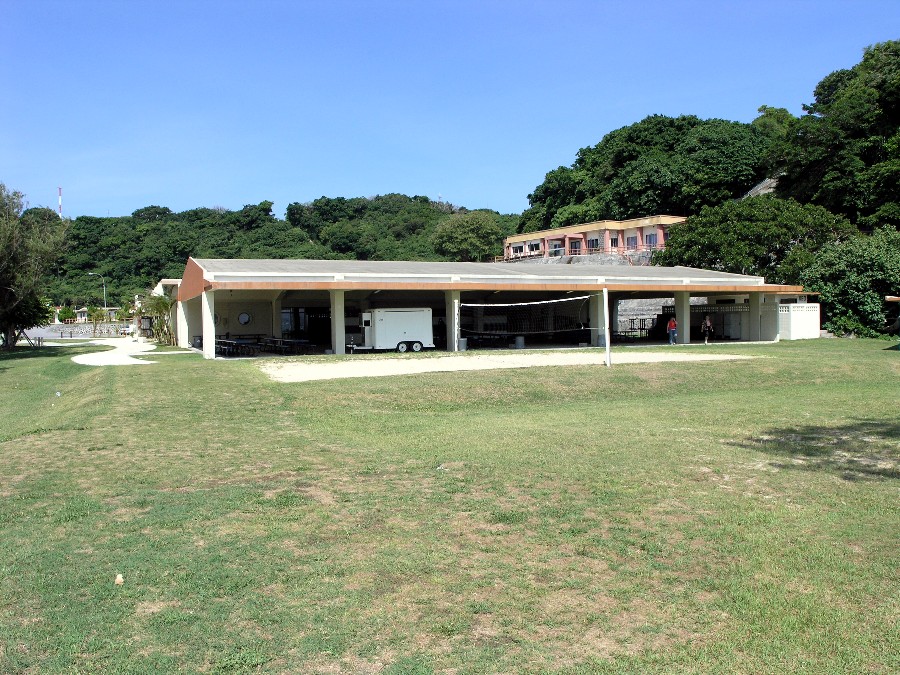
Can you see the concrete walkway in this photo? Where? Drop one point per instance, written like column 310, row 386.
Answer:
column 122, row 353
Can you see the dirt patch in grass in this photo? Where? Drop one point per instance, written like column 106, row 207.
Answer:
column 148, row 608
column 318, row 494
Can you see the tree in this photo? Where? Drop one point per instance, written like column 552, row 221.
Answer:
column 774, row 123
column 844, row 154
column 30, row 240
column 674, row 165
column 97, row 315
column 468, row 237
column 150, row 214
column 30, row 312
column 159, row 307
column 853, row 277
column 763, row 236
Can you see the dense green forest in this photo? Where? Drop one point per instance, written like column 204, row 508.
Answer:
column 843, row 154
column 671, row 165
column 838, row 181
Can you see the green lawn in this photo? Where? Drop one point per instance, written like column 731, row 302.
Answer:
column 737, row 517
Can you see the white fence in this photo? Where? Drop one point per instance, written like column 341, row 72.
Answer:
column 799, row 321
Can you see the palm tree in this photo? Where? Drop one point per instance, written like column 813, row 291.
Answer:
column 159, row 307
column 96, row 316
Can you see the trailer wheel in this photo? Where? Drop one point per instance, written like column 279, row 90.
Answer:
column 402, row 347
column 417, row 346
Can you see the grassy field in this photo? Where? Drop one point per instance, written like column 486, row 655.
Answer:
column 732, row 517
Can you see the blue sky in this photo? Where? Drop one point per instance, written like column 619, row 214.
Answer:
column 128, row 103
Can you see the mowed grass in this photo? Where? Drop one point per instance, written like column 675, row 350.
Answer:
column 684, row 517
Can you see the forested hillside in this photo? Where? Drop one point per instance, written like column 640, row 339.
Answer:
column 843, row 154
column 671, row 165
column 134, row 252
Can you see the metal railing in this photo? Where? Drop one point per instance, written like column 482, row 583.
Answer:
column 559, row 252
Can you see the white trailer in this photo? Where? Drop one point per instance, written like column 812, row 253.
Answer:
column 403, row 329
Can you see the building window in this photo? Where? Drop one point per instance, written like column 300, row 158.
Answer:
column 665, row 235
column 650, row 240
column 614, row 242
column 631, row 243
column 593, row 244
column 575, row 246
column 518, row 249
column 534, row 247
column 556, row 248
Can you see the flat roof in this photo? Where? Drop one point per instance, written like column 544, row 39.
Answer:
column 204, row 274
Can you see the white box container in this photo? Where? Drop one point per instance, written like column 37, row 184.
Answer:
column 403, row 329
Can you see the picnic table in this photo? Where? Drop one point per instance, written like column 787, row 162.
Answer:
column 284, row 345
column 236, row 347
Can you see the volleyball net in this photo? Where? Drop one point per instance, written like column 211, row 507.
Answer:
column 544, row 317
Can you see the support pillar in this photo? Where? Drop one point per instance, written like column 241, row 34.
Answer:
column 755, row 315
column 597, row 320
column 181, row 326
column 613, row 307
column 338, row 329
column 683, row 316
column 451, row 306
column 276, row 316
column 208, row 311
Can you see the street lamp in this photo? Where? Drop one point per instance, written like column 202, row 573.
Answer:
column 103, row 279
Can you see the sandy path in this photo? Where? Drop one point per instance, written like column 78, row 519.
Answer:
column 121, row 353
column 305, row 372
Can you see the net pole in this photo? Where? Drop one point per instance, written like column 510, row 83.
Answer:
column 606, row 335
column 457, row 327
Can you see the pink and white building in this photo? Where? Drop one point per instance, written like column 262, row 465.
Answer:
column 601, row 236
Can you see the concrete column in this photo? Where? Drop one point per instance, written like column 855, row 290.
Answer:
column 276, row 316
column 338, row 329
column 614, row 314
column 451, row 305
column 597, row 319
column 755, row 315
column 683, row 316
column 208, row 311
column 546, row 242
column 182, row 334
column 606, row 241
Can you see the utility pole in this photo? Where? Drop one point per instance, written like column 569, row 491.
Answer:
column 102, row 279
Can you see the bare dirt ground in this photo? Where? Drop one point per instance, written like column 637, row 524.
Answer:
column 289, row 371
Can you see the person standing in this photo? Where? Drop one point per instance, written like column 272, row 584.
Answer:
column 707, row 329
column 672, row 327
